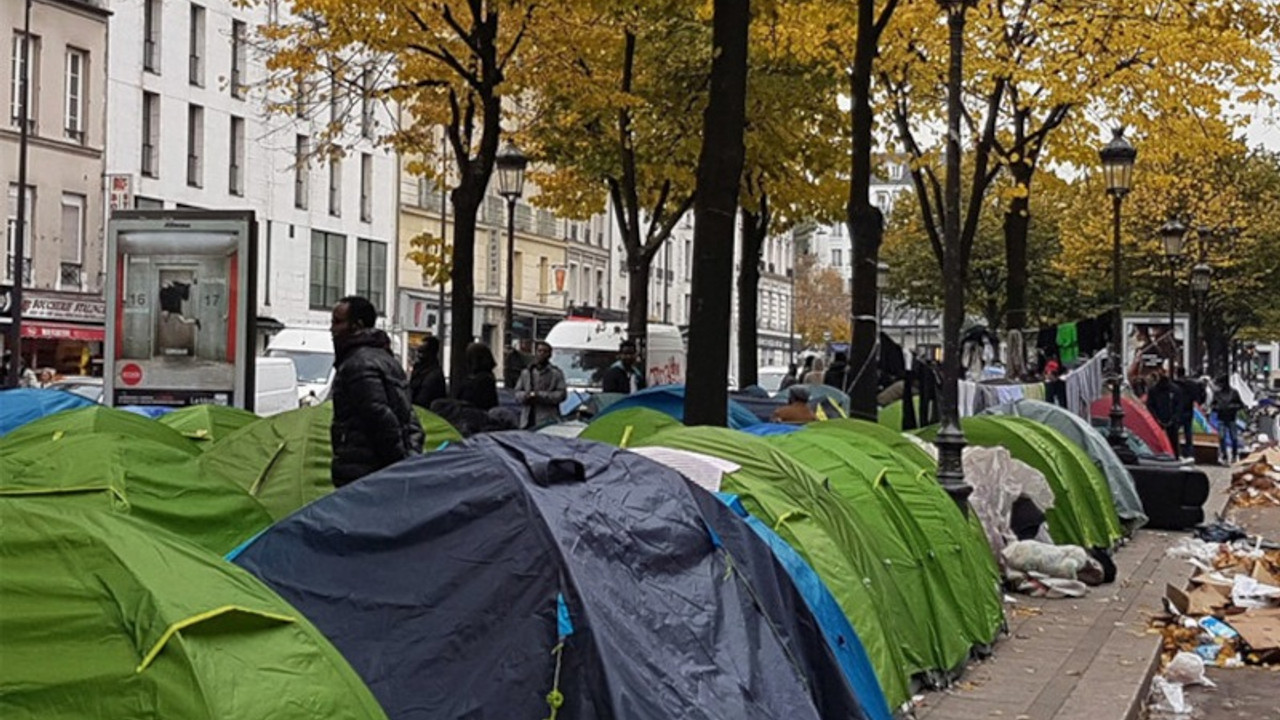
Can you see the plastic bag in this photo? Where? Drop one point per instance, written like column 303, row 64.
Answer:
column 1187, row 669
column 1060, row 561
column 1168, row 697
column 998, row 480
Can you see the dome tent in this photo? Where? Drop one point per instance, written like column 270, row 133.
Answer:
column 562, row 563
column 669, row 400
column 626, row 427
column 20, row 406
column 91, row 420
column 105, row 617
column 208, row 423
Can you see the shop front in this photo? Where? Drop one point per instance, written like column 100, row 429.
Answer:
column 60, row 331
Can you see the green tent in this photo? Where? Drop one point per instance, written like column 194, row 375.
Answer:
column 207, row 423
column 954, row 546
column 1083, row 513
column 283, row 460
column 631, row 425
column 95, row 419
column 794, row 501
column 135, row 475
column 106, row 617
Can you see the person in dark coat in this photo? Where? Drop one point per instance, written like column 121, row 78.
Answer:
column 479, row 387
column 791, row 378
column 836, row 374
column 426, row 384
column 374, row 424
column 1227, row 404
column 1192, row 393
column 1163, row 399
column 624, row 376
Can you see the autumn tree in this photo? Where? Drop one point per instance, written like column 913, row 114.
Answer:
column 821, row 302
column 443, row 64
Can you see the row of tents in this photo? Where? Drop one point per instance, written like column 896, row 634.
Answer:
column 643, row 568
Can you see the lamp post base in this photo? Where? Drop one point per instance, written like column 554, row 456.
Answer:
column 951, row 444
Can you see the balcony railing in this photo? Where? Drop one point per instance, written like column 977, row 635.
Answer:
column 70, row 277
column 26, row 270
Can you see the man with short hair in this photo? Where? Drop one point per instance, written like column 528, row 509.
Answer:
column 540, row 390
column 624, row 376
column 374, row 424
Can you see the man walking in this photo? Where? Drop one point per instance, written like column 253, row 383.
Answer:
column 540, row 390
column 1227, row 404
column 374, row 424
column 624, row 376
column 1163, row 400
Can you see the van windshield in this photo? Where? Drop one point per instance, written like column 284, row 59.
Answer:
column 583, row 368
column 313, row 367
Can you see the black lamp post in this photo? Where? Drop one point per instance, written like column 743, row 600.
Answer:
column 1174, row 236
column 1201, row 274
column 18, row 265
column 1117, row 157
column 510, row 163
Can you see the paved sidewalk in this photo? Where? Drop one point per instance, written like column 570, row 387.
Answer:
column 1089, row 658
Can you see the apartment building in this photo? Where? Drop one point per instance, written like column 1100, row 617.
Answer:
column 61, row 269
column 191, row 128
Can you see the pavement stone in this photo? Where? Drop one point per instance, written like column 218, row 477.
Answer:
column 1087, row 658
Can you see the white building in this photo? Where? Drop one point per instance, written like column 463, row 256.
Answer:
column 188, row 128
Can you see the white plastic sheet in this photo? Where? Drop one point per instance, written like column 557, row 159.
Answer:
column 998, row 480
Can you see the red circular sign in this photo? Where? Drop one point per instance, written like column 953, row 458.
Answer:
column 131, row 374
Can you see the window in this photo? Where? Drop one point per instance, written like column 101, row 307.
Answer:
column 29, row 200
column 71, row 252
column 150, row 134
column 599, row 298
column 195, row 145
column 151, row 35
column 195, row 53
column 544, row 277
column 237, row 58
column 335, row 187
column 688, row 259
column 301, row 172
column 19, row 65
column 366, row 103
column 371, row 272
column 146, row 203
column 235, row 175
column 836, row 260
column 328, row 269
column 77, row 60
column 366, row 188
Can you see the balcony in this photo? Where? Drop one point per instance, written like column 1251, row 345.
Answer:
column 70, row 277
column 26, row 270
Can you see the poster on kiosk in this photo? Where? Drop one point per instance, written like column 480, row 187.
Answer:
column 181, row 306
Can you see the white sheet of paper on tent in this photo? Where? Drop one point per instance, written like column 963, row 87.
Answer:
column 704, row 470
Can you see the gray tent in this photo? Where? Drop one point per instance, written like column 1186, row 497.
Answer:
column 1079, row 431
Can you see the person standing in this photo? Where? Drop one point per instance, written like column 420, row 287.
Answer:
column 1227, row 404
column 624, row 376
column 1163, row 400
column 837, row 375
column 1191, row 393
column 426, row 384
column 374, row 424
column 791, row 378
column 540, row 390
column 479, row 388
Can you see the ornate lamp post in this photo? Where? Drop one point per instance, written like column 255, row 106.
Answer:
column 1174, row 236
column 1201, row 274
column 1117, row 157
column 510, row 163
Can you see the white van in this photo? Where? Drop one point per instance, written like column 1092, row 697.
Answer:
column 275, row 386
column 583, row 349
column 311, row 350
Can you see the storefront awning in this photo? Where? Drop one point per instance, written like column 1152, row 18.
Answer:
column 63, row 331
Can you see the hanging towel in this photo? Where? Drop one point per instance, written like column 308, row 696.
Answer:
column 1068, row 343
column 1008, row 393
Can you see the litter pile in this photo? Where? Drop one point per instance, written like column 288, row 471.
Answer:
column 1257, row 484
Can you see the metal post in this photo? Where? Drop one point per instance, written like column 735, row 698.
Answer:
column 1116, row 431
column 509, row 326
column 19, row 240
column 444, row 228
column 1173, row 305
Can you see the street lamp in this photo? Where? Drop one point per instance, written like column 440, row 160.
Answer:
column 1117, row 157
column 510, row 163
column 1174, row 236
column 1200, row 277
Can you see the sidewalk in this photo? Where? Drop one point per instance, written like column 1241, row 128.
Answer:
column 1089, row 658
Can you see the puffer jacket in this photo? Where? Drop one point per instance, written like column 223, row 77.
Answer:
column 374, row 424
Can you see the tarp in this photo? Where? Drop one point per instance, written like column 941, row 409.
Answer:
column 939, row 558
column 669, row 400
column 761, row 407
column 20, row 406
column 1083, row 513
column 106, row 617
column 475, row 581
column 283, row 460
column 138, row 476
column 1203, row 424
column 94, row 420
column 628, row 426
column 1123, row 493
column 795, row 502
column 208, row 423
column 1138, row 420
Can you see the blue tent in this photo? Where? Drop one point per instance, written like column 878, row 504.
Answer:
column 484, row 579
column 22, row 405
column 148, row 411
column 669, row 400
column 771, row 428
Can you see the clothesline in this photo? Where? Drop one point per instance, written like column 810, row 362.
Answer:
column 1080, row 386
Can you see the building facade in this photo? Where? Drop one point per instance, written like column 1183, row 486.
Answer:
column 62, row 266
column 195, row 127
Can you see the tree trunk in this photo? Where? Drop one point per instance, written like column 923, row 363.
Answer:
column 466, row 205
column 639, row 267
column 719, row 177
column 754, row 230
column 1017, row 221
column 866, row 227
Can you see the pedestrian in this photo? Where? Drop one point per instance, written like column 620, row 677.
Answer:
column 1227, row 404
column 479, row 387
column 514, row 364
column 624, row 375
column 815, row 376
column 797, row 408
column 791, row 378
column 426, row 384
column 540, row 390
column 374, row 424
column 1163, row 399
column 1191, row 394
column 838, row 374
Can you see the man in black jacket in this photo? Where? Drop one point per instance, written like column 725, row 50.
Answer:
column 426, row 384
column 374, row 424
column 1163, row 400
